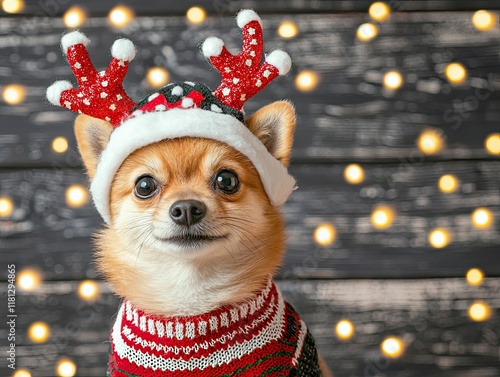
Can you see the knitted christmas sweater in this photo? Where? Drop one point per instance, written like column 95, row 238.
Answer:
column 262, row 337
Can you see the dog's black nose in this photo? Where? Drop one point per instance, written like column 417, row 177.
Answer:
column 187, row 212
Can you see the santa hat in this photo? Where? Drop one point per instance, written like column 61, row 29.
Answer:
column 176, row 110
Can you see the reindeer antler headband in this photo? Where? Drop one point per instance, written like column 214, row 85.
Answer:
column 176, row 110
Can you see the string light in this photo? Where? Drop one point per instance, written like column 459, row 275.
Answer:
column 120, row 16
column 76, row 196
column 196, row 15
column 88, row 290
column 39, row 332
column 483, row 20
column 60, row 144
column 482, row 218
column 430, row 141
column 344, row 329
column 367, row 32
column 74, row 17
column 393, row 80
column 325, row 234
column 439, row 238
column 29, row 279
column 6, row 207
column 66, row 368
column 455, row 73
column 379, row 11
column 354, row 174
column 13, row 94
column 22, row 373
column 288, row 30
column 492, row 144
column 12, row 6
column 474, row 276
column 382, row 217
column 306, row 81
column 479, row 311
column 157, row 77
column 392, row 347
column 448, row 183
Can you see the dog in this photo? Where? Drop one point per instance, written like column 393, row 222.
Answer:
column 191, row 192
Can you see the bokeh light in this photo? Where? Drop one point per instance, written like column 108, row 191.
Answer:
column 448, row 183
column 288, row 30
column 383, row 217
column 22, row 373
column 392, row 347
column 196, row 15
column 38, row 332
column 6, row 206
column 474, row 276
column 306, row 81
column 344, row 329
column 479, row 311
column 325, row 234
column 76, row 196
column 482, row 218
column 88, row 290
column 492, row 144
column 483, row 20
column 439, row 238
column 120, row 16
column 13, row 94
column 157, row 77
column 430, row 141
column 367, row 32
column 74, row 17
column 354, row 174
column 60, row 144
column 66, row 368
column 379, row 11
column 455, row 73
column 12, row 6
column 393, row 80
column 29, row 279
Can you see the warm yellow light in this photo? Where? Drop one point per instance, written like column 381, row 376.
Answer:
column 306, row 81
column 483, row 20
column 354, row 174
column 288, row 30
column 325, row 234
column 196, row 15
column 39, row 332
column 474, row 276
column 367, row 32
column 448, row 183
column 455, row 73
column 13, row 94
column 120, row 16
column 76, row 196
column 157, row 77
column 22, row 373
column 88, row 290
column 430, row 141
column 379, row 11
column 6, row 207
column 392, row 347
column 66, row 368
column 492, row 144
column 344, row 329
column 12, row 6
column 439, row 238
column 60, row 144
column 482, row 218
column 383, row 217
column 393, row 80
column 479, row 311
column 74, row 17
column 28, row 279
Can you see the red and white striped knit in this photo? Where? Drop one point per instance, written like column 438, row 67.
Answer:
column 263, row 336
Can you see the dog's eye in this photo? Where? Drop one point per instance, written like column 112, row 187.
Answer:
column 145, row 187
column 227, row 181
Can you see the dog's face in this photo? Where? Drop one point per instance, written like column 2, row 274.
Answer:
column 191, row 225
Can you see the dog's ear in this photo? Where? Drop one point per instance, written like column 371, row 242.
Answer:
column 274, row 125
column 92, row 135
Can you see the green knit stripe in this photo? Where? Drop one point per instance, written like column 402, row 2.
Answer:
column 241, row 370
column 275, row 369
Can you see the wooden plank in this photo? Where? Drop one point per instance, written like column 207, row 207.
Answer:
column 348, row 117
column 44, row 231
column 430, row 316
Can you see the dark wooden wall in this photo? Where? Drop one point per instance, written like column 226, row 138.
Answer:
column 386, row 282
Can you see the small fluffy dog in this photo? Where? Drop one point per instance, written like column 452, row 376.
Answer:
column 191, row 193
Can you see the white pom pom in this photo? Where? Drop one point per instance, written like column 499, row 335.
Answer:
column 123, row 49
column 72, row 39
column 212, row 46
column 245, row 16
column 281, row 60
column 54, row 91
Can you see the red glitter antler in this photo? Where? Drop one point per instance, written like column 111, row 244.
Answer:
column 100, row 94
column 242, row 75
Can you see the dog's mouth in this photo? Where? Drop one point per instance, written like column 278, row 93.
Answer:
column 191, row 240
